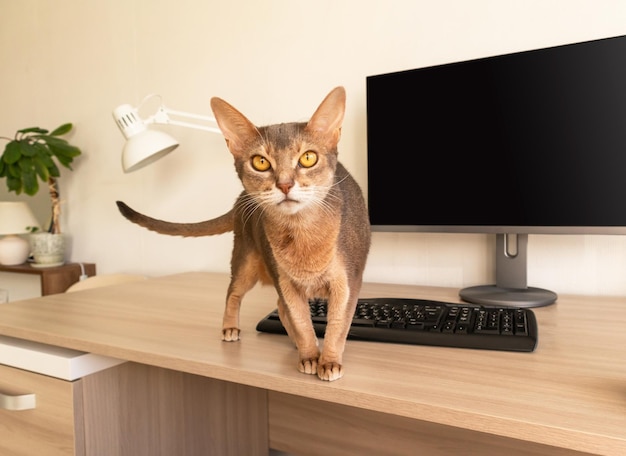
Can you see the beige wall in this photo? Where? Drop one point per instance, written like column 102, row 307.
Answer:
column 75, row 60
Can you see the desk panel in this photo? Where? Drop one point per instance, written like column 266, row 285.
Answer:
column 309, row 427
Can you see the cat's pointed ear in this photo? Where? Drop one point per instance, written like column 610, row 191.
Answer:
column 236, row 128
column 328, row 117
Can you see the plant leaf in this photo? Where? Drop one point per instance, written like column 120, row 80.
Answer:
column 64, row 149
column 14, row 184
column 54, row 170
column 45, row 157
column 12, row 152
column 47, row 139
column 14, row 170
column 33, row 130
column 41, row 169
column 27, row 149
column 29, row 181
column 25, row 164
column 65, row 161
column 63, row 129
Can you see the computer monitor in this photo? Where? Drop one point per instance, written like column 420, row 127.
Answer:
column 526, row 143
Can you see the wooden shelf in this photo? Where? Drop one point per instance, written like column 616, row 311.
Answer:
column 56, row 279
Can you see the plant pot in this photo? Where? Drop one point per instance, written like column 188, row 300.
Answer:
column 48, row 249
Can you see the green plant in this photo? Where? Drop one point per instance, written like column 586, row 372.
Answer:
column 32, row 155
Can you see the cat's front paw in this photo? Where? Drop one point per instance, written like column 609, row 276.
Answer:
column 230, row 334
column 308, row 366
column 330, row 371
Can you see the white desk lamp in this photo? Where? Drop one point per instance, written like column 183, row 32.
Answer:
column 15, row 218
column 144, row 146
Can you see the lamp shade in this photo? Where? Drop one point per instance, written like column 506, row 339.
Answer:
column 146, row 147
column 15, row 218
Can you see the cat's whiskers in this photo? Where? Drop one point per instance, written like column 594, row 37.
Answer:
column 339, row 181
column 250, row 205
column 326, row 206
column 319, row 196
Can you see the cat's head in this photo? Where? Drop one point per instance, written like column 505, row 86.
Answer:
column 285, row 167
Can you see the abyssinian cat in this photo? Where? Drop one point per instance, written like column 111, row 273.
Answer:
column 300, row 224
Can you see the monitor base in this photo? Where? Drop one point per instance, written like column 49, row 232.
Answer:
column 491, row 295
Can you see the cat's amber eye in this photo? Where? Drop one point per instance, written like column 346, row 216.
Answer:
column 308, row 159
column 260, row 163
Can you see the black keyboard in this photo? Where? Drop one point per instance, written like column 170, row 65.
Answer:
column 425, row 322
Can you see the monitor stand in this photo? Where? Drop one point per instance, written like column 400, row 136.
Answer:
column 510, row 289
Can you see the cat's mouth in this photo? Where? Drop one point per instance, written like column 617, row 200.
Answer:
column 289, row 205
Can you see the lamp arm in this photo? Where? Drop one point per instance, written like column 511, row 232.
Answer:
column 162, row 116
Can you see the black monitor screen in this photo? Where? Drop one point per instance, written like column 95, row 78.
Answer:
column 530, row 142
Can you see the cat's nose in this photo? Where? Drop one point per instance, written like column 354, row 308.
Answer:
column 284, row 186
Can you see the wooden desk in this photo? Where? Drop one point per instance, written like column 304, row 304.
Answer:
column 56, row 279
column 568, row 397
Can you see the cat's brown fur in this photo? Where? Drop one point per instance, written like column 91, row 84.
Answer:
column 304, row 229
